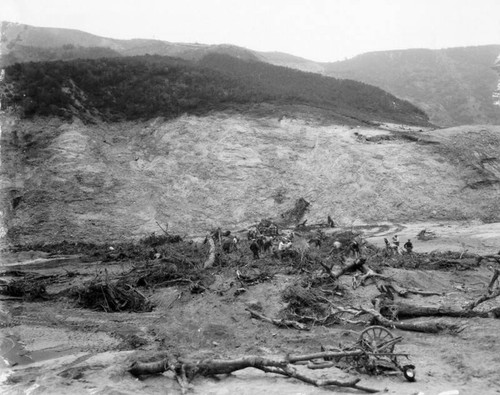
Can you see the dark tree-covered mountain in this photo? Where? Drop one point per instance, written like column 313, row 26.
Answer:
column 454, row 86
column 143, row 87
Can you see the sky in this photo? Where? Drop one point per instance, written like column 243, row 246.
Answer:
column 320, row 30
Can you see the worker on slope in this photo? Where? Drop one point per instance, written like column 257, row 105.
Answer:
column 408, row 246
column 254, row 247
column 395, row 240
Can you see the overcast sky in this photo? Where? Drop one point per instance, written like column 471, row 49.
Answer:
column 321, row 30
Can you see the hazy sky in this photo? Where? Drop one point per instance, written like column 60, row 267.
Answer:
column 321, row 30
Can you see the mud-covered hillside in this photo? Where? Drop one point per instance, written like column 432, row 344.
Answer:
column 66, row 180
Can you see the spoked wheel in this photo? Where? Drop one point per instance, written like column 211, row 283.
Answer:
column 377, row 339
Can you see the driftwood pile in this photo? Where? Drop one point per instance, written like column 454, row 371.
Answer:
column 319, row 297
column 29, row 286
column 122, row 292
column 112, row 296
column 310, row 306
column 24, row 288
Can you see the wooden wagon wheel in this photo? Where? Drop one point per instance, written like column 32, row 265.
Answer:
column 377, row 339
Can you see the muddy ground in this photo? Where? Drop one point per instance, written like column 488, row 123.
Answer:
column 56, row 347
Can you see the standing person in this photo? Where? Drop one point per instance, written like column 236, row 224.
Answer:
column 254, row 247
column 388, row 248
column 217, row 235
column 331, row 224
column 408, row 246
column 354, row 247
column 395, row 240
column 283, row 246
column 397, row 248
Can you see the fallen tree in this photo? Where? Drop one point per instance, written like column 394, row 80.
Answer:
column 185, row 371
column 405, row 310
column 357, row 264
column 387, row 307
column 384, row 284
column 429, row 326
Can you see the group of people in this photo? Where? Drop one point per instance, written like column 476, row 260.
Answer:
column 395, row 246
column 278, row 245
column 226, row 240
column 273, row 244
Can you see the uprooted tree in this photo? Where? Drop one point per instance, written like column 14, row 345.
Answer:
column 185, row 371
column 313, row 309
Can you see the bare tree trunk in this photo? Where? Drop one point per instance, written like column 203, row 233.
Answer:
column 186, row 371
column 490, row 293
column 356, row 265
column 405, row 310
column 426, row 327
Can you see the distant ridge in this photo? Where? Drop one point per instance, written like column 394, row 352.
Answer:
column 18, row 39
column 455, row 86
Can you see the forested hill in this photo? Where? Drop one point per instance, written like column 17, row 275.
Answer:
column 453, row 86
column 142, row 87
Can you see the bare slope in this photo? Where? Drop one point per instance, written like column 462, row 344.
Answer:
column 114, row 181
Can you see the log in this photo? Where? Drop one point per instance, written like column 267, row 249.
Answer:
column 426, row 326
column 324, row 354
column 185, row 371
column 356, row 265
column 410, row 311
column 146, row 368
column 404, row 310
column 370, row 273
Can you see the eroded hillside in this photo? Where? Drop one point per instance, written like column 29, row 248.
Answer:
column 107, row 182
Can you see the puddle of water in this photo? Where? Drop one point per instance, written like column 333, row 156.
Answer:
column 13, row 353
column 44, row 355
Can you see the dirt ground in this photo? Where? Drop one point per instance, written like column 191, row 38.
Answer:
column 56, row 348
